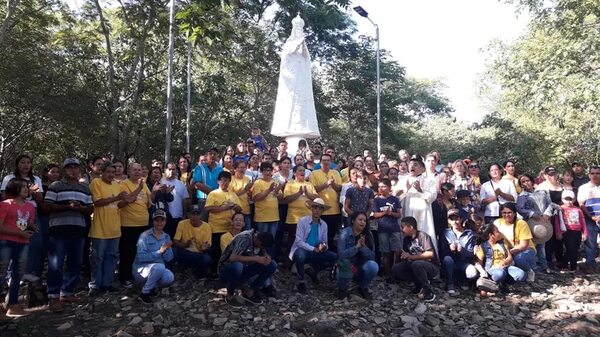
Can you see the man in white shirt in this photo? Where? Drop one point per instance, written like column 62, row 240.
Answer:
column 180, row 200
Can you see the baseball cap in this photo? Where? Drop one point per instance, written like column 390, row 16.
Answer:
column 462, row 194
column 70, row 161
column 568, row 194
column 452, row 211
column 550, row 170
column 575, row 163
column 159, row 213
column 194, row 209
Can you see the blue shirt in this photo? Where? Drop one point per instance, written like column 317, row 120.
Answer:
column 313, row 236
column 148, row 247
column 203, row 174
column 387, row 223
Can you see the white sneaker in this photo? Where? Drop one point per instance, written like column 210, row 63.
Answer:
column 30, row 278
column 530, row 276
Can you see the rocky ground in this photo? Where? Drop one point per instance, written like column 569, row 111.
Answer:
column 556, row 305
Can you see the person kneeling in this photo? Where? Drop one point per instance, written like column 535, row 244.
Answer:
column 311, row 244
column 357, row 257
column 153, row 251
column 419, row 260
column 192, row 243
column 244, row 258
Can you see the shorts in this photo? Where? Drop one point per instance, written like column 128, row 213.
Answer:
column 390, row 242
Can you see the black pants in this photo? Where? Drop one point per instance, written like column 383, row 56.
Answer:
column 127, row 251
column 554, row 248
column 281, row 229
column 171, row 226
column 419, row 272
column 215, row 250
column 572, row 241
column 334, row 223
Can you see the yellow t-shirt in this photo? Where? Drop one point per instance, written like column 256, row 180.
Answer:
column 297, row 208
column 266, row 210
column 521, row 232
column 498, row 255
column 185, row 232
column 237, row 185
column 106, row 223
column 226, row 238
column 329, row 195
column 136, row 213
column 221, row 222
column 345, row 175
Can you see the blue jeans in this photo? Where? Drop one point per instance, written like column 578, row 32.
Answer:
column 541, row 256
column 247, row 221
column 591, row 243
column 452, row 268
column 105, row 254
column 525, row 260
column 197, row 260
column 366, row 273
column 38, row 248
column 12, row 253
column 510, row 275
column 152, row 276
column 318, row 261
column 269, row 227
column 237, row 273
column 70, row 247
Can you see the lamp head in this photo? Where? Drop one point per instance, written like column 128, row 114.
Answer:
column 361, row 11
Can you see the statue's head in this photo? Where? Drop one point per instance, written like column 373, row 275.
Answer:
column 297, row 27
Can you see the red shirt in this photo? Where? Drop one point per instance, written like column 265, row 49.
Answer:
column 15, row 216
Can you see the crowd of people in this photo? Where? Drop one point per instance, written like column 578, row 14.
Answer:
column 240, row 215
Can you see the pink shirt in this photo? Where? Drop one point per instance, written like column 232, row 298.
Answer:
column 573, row 218
column 16, row 217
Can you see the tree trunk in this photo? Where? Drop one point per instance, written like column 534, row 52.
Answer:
column 11, row 7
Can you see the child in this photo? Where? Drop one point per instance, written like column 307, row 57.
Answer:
column 463, row 203
column 17, row 224
column 258, row 139
column 574, row 224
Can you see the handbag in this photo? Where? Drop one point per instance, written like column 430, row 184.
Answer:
column 486, row 284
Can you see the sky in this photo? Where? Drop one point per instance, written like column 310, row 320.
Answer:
column 443, row 39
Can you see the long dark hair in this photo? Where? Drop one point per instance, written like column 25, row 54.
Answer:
column 17, row 174
column 46, row 170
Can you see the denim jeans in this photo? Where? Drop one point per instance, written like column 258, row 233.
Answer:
column 453, row 268
column 269, row 227
column 152, row 276
column 525, row 260
column 105, row 253
column 318, row 261
column 11, row 255
column 247, row 221
column 38, row 248
column 237, row 273
column 591, row 243
column 541, row 256
column 510, row 275
column 70, row 247
column 366, row 273
column 197, row 260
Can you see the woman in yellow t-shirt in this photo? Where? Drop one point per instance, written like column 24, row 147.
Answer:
column 265, row 193
column 295, row 194
column 494, row 259
column 237, row 224
column 517, row 237
column 241, row 186
column 192, row 243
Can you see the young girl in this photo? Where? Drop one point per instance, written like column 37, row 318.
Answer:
column 17, row 224
column 576, row 230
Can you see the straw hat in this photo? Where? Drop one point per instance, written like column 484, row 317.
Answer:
column 317, row 202
column 541, row 230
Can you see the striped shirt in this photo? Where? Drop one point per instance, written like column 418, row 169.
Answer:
column 68, row 222
column 589, row 195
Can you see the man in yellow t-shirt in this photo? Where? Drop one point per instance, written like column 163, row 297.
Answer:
column 134, row 220
column 265, row 193
column 192, row 243
column 221, row 204
column 328, row 183
column 106, row 229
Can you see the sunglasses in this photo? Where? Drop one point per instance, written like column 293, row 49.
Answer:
column 473, row 166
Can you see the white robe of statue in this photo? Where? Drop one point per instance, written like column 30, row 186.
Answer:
column 418, row 205
column 295, row 114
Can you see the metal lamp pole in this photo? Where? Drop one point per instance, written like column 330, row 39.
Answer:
column 362, row 12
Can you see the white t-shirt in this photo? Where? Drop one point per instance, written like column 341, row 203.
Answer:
column 180, row 193
column 36, row 180
column 488, row 189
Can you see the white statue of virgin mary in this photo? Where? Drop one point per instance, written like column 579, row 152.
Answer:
column 295, row 116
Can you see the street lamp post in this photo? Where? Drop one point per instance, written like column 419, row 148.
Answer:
column 362, row 12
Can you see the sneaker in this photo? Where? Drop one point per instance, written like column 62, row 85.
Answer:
column 109, row 289
column 254, row 299
column 93, row 292
column 451, row 291
column 69, row 299
column 30, row 278
column 530, row 276
column 302, row 288
column 427, row 297
column 55, row 305
column 127, row 284
column 270, row 291
column 153, row 292
column 313, row 275
column 417, row 289
column 16, row 311
column 464, row 287
column 365, row 293
column 233, row 302
column 146, row 298
column 342, row 294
